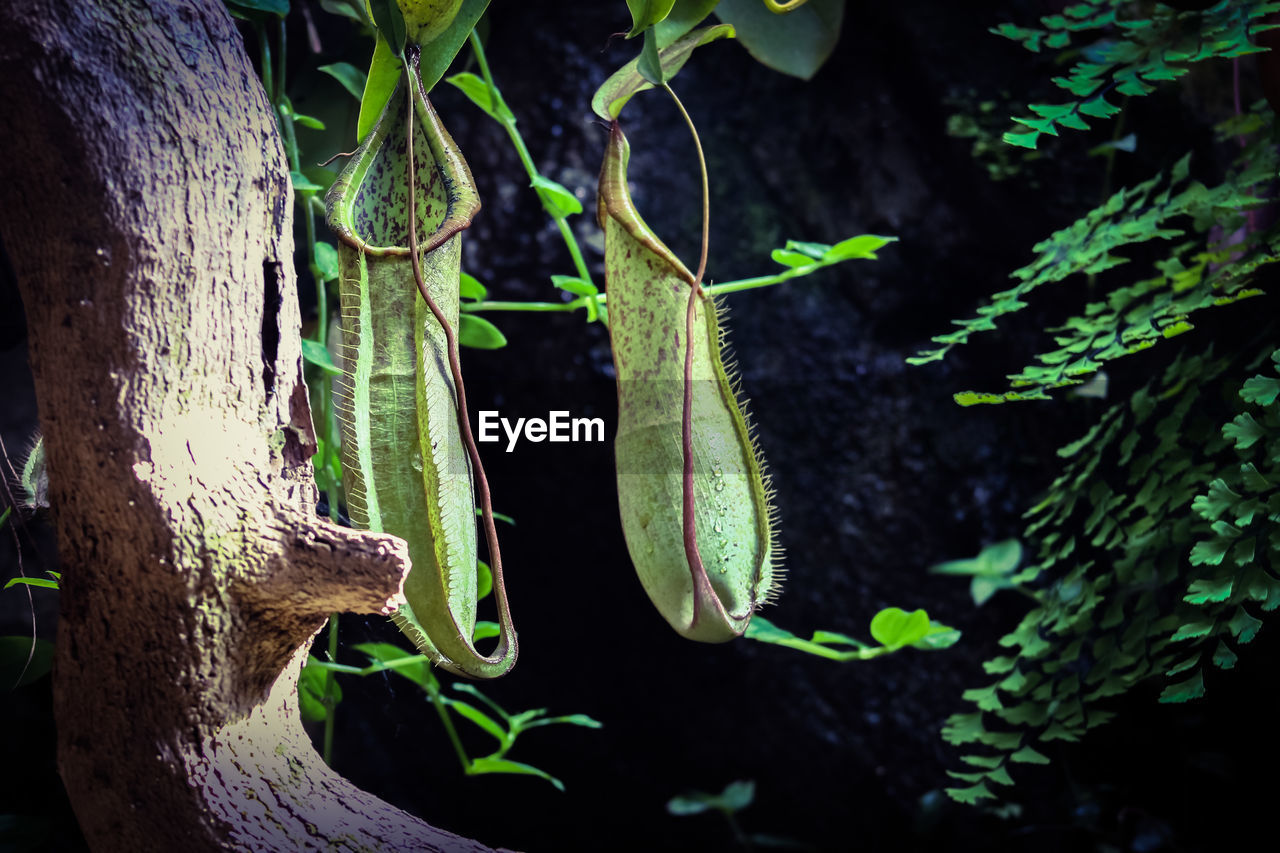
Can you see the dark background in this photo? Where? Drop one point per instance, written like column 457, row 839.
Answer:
column 878, row 473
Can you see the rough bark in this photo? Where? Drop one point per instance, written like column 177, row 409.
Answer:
column 147, row 210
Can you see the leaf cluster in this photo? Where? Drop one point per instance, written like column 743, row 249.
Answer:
column 1154, row 547
column 1208, row 264
column 1128, row 54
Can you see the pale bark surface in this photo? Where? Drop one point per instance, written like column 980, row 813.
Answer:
column 146, row 207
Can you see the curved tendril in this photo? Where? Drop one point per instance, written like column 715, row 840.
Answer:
column 688, row 520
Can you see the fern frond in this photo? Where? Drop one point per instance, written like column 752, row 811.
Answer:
column 1130, row 56
column 1151, row 543
column 1205, row 271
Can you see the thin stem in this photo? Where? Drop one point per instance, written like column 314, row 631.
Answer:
column 280, row 66
column 738, row 834
column 688, row 508
column 706, row 189
column 437, row 701
column 603, row 298
column 581, row 302
column 455, row 368
column 330, row 687
column 380, row 666
column 507, row 120
column 264, row 57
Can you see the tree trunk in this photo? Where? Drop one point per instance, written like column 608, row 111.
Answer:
column 147, row 211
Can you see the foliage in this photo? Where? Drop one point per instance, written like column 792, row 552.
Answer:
column 1130, row 54
column 991, row 571
column 497, row 722
column 735, row 797
column 892, row 628
column 1212, row 267
column 1155, row 547
column 1137, row 575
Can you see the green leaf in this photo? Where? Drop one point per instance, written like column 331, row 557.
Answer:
column 1261, row 390
column 734, row 798
column 326, row 260
column 981, row 589
column 489, row 764
column 792, row 259
column 763, row 631
column 484, row 579
column 684, row 16
column 817, row 251
column 939, row 637
column 894, row 627
column 797, row 43
column 650, row 64
column 1027, row 755
column 311, row 691
column 279, row 8
column 1208, row 590
column 1224, row 657
column 574, row 285
column 43, row 583
column 380, row 84
column 320, row 176
column 571, row 720
column 353, row 9
column 626, row 82
column 646, row 13
column 351, row 78
column 480, row 718
column 1219, row 499
column 21, row 664
column 407, row 664
column 389, row 19
column 477, row 91
column 556, row 198
column 1244, row 626
column 1184, row 691
column 309, row 121
column 470, row 288
column 1244, row 431
column 479, row 333
column 301, row 183
column 863, row 246
column 484, row 630
column 994, row 560
column 687, row 805
column 963, row 728
column 439, row 54
column 315, row 353
column 970, row 795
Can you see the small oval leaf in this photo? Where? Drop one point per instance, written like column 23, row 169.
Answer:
column 894, row 627
column 470, row 288
column 556, row 198
column 478, row 92
column 479, row 333
column 326, row 260
column 351, row 78
column 315, row 353
column 574, row 285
